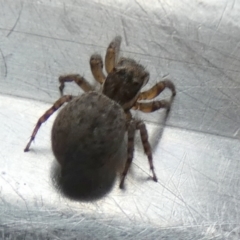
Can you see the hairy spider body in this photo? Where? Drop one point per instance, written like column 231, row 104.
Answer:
column 85, row 126
column 87, row 140
column 90, row 129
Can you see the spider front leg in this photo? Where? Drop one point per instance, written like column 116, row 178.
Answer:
column 157, row 89
column 79, row 80
column 112, row 54
column 96, row 64
column 46, row 115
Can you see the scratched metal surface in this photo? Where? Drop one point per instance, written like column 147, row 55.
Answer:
column 196, row 151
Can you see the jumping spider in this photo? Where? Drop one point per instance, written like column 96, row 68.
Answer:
column 92, row 126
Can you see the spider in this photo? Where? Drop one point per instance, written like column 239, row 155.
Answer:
column 91, row 127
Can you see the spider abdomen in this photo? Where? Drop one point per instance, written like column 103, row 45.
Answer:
column 87, row 135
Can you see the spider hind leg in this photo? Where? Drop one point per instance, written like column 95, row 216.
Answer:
column 146, row 146
column 46, row 115
column 139, row 125
column 78, row 79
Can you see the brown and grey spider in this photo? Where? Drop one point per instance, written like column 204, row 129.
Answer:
column 91, row 127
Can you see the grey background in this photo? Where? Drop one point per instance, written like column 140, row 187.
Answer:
column 196, row 151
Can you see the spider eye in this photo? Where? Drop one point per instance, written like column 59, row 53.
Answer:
column 136, row 84
column 122, row 72
column 124, row 75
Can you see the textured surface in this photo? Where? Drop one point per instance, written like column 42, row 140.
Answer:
column 196, row 153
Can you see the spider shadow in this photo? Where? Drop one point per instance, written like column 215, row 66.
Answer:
column 157, row 136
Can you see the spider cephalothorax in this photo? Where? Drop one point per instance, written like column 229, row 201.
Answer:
column 90, row 129
column 124, row 82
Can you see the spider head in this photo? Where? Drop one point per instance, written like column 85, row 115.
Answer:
column 124, row 82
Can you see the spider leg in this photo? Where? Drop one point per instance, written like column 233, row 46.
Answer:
column 112, row 54
column 157, row 89
column 130, row 150
column 96, row 64
column 79, row 80
column 147, row 148
column 151, row 106
column 46, row 115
